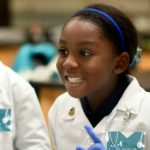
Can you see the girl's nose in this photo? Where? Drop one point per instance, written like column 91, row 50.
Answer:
column 70, row 63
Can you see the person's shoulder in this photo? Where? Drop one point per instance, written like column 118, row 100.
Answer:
column 62, row 102
column 146, row 96
column 11, row 78
column 137, row 89
column 144, row 108
column 64, row 98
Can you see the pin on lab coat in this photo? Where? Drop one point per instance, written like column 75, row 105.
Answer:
column 131, row 114
column 22, row 126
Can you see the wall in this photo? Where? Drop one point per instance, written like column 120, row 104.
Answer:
column 54, row 12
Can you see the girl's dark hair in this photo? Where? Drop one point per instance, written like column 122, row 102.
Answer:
column 126, row 26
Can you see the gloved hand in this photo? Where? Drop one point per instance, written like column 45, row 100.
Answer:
column 97, row 142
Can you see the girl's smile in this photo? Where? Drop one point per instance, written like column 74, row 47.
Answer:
column 73, row 81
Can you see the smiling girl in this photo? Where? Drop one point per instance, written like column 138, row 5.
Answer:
column 96, row 47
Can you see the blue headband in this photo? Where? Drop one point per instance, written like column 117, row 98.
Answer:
column 120, row 34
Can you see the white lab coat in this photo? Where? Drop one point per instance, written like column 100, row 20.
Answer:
column 22, row 125
column 67, row 130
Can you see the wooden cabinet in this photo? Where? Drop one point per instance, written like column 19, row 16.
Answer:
column 8, row 54
column 47, row 93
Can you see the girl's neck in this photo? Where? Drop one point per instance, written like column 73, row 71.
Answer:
column 97, row 100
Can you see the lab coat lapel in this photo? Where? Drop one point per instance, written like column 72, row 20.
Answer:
column 75, row 113
column 132, row 98
column 129, row 103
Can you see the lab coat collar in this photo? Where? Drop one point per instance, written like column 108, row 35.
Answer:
column 74, row 113
column 132, row 97
column 130, row 101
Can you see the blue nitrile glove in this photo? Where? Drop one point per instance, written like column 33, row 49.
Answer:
column 97, row 142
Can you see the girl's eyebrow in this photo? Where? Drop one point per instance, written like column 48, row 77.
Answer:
column 61, row 41
column 82, row 43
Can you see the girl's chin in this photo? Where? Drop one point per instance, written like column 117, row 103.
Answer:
column 76, row 89
column 75, row 95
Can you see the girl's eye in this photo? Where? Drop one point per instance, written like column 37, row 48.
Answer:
column 85, row 53
column 63, row 51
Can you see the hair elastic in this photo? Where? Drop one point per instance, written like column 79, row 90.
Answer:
column 136, row 58
column 120, row 34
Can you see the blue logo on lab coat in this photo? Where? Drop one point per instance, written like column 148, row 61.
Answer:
column 118, row 141
column 5, row 119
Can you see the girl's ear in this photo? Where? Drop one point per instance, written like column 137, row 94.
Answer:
column 122, row 63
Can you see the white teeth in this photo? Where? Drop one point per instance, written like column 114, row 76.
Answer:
column 74, row 80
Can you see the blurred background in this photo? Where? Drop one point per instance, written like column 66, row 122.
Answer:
column 29, row 31
column 20, row 14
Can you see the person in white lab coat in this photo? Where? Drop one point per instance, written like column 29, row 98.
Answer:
column 96, row 48
column 22, row 125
